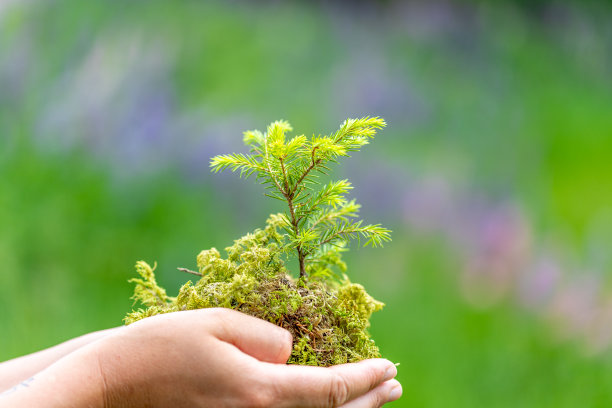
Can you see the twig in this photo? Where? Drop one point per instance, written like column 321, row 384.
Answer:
column 190, row 271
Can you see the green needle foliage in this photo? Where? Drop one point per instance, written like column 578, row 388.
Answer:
column 320, row 220
column 328, row 318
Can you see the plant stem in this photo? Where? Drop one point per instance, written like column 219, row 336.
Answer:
column 294, row 224
column 301, row 258
column 312, row 166
column 289, row 195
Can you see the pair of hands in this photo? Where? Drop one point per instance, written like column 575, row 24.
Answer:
column 202, row 358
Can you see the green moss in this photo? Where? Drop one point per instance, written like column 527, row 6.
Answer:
column 328, row 318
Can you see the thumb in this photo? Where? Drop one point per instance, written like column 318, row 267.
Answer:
column 332, row 386
column 256, row 337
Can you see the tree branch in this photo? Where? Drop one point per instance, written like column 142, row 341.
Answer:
column 312, row 166
column 285, row 179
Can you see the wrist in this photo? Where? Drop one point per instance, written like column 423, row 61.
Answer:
column 19, row 369
column 73, row 381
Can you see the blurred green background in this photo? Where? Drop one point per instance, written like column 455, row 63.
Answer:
column 495, row 172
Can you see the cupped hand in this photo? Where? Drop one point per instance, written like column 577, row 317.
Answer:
column 223, row 358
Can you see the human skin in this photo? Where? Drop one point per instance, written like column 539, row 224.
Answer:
column 200, row 358
column 14, row 371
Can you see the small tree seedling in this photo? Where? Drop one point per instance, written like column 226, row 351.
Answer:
column 320, row 220
column 327, row 317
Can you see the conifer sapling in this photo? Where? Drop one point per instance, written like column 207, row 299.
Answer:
column 319, row 220
column 327, row 317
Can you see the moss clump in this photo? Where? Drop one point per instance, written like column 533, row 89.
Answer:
column 328, row 319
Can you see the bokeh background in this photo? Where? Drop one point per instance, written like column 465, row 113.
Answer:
column 495, row 172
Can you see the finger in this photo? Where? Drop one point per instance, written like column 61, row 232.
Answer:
column 260, row 339
column 385, row 392
column 330, row 386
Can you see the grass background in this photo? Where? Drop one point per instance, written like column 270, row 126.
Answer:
column 109, row 113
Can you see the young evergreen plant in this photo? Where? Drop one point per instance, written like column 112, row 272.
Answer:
column 320, row 220
column 326, row 313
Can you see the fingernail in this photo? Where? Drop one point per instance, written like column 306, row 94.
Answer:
column 395, row 393
column 390, row 373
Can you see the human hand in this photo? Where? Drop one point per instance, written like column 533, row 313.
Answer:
column 200, row 358
column 223, row 358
